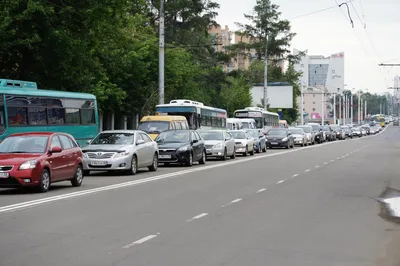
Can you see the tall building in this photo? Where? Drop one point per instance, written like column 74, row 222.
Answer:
column 325, row 74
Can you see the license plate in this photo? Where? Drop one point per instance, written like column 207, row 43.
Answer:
column 4, row 175
column 98, row 162
column 274, row 143
column 164, row 156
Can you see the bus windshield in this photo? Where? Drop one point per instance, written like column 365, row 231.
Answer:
column 154, row 126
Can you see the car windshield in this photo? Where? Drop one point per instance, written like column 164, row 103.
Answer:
column 174, row 136
column 279, row 133
column 212, row 135
column 24, row 144
column 306, row 129
column 326, row 128
column 253, row 133
column 113, row 139
column 296, row 131
column 238, row 134
column 335, row 128
column 154, row 126
column 315, row 127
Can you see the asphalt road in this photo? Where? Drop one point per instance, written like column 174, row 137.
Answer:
column 307, row 206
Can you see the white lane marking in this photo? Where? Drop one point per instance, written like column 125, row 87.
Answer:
column 140, row 241
column 347, row 154
column 338, row 158
column 325, row 162
column 308, row 170
column 235, row 201
column 261, row 190
column 280, row 181
column 317, row 166
column 198, row 216
column 295, row 175
column 332, row 160
column 32, row 203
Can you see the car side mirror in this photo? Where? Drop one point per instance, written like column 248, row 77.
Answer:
column 140, row 142
column 56, row 150
column 195, row 141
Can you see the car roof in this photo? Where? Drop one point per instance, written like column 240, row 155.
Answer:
column 122, row 131
column 36, row 134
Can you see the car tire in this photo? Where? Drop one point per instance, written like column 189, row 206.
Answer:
column 203, row 158
column 225, row 156
column 134, row 166
column 45, row 181
column 233, row 156
column 77, row 180
column 189, row 163
column 153, row 167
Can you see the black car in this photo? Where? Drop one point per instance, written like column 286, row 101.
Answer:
column 319, row 135
column 330, row 135
column 181, row 146
column 280, row 137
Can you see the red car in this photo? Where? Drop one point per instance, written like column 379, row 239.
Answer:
column 39, row 159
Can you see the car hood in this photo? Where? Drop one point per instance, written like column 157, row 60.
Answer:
column 171, row 146
column 297, row 135
column 106, row 148
column 212, row 142
column 275, row 137
column 17, row 158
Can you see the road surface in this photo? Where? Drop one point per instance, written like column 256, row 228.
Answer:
column 307, row 206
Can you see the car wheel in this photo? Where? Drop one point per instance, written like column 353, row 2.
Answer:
column 203, row 158
column 134, row 166
column 233, row 156
column 76, row 181
column 225, row 156
column 153, row 167
column 45, row 181
column 190, row 160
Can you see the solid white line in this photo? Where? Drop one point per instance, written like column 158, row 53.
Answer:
column 308, row 170
column 32, row 203
column 140, row 241
column 295, row 175
column 235, row 201
column 261, row 190
column 280, row 182
column 198, row 216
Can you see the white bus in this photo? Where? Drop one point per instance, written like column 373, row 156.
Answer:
column 197, row 114
column 264, row 120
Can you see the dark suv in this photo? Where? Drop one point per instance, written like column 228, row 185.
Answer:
column 319, row 135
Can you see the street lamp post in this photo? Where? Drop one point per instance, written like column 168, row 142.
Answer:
column 340, row 108
column 302, row 107
column 351, row 108
column 323, row 105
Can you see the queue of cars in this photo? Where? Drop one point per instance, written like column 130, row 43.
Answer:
column 38, row 159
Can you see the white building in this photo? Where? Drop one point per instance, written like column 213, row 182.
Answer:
column 322, row 74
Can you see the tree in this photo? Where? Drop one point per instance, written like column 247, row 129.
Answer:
column 235, row 94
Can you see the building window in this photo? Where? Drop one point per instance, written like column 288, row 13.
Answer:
column 304, row 109
column 313, row 102
column 313, row 95
column 313, row 109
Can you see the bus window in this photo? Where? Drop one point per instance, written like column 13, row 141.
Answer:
column 37, row 116
column 56, row 116
column 17, row 116
column 177, row 125
column 72, row 116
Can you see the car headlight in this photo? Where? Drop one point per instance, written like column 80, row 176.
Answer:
column 217, row 146
column 28, row 165
column 121, row 154
column 184, row 148
column 284, row 139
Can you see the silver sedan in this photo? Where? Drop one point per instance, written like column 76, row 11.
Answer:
column 219, row 144
column 117, row 150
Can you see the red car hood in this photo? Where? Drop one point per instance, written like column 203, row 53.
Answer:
column 17, row 158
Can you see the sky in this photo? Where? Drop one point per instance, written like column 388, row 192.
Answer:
column 374, row 39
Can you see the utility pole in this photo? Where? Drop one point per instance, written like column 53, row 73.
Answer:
column 266, row 75
column 323, row 105
column 302, row 106
column 358, row 107
column 351, row 108
column 161, row 56
column 365, row 105
column 345, row 110
column 340, row 109
column 334, row 108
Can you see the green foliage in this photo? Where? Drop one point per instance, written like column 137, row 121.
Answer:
column 235, row 94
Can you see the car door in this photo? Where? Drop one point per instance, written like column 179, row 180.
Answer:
column 196, row 146
column 67, row 155
column 56, row 160
column 230, row 143
column 148, row 149
column 140, row 150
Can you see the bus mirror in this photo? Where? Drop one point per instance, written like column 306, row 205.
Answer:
column 88, row 142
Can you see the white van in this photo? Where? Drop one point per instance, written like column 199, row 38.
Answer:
column 234, row 123
column 248, row 123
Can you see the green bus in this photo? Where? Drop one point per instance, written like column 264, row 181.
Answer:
column 25, row 108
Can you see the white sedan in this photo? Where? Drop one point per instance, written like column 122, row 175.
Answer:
column 244, row 142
